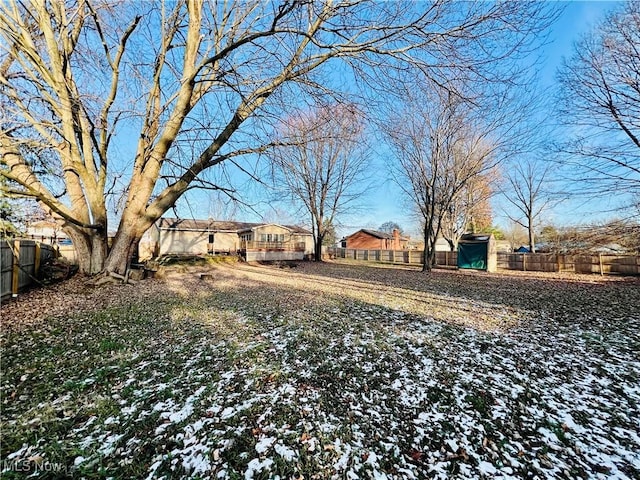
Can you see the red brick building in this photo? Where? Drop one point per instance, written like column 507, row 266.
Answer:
column 373, row 240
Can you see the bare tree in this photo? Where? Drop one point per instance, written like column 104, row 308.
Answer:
column 619, row 235
column 193, row 84
column 321, row 163
column 221, row 207
column 390, row 226
column 527, row 192
column 470, row 210
column 441, row 148
column 515, row 234
column 600, row 105
column 330, row 237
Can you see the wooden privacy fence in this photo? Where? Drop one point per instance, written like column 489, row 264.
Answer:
column 409, row 257
column 531, row 262
column 20, row 262
column 551, row 262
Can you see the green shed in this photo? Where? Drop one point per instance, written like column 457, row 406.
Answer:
column 477, row 251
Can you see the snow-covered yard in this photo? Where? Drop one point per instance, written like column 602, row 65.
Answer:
column 325, row 371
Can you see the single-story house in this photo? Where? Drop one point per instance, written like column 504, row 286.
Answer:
column 252, row 241
column 374, row 240
column 46, row 231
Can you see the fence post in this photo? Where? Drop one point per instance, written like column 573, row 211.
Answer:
column 600, row 261
column 15, row 274
column 524, row 262
column 36, row 266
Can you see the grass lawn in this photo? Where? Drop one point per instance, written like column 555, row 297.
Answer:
column 324, row 371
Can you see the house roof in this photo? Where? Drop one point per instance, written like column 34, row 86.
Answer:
column 217, row 225
column 377, row 234
column 44, row 224
column 184, row 224
column 373, row 233
column 228, row 226
column 291, row 228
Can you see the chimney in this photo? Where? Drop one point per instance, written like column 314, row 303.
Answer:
column 396, row 239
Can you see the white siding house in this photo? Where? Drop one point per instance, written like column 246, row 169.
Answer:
column 253, row 241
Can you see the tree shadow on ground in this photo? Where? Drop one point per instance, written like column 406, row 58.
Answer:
column 534, row 292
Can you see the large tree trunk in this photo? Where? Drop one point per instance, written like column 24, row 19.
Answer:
column 125, row 247
column 94, row 256
column 532, row 243
column 317, row 254
column 431, row 233
column 125, row 244
column 428, row 253
column 318, row 237
column 91, row 248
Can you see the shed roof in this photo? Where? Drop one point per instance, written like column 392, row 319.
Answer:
column 476, row 238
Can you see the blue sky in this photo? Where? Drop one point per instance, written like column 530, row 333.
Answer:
column 577, row 20
column 385, row 202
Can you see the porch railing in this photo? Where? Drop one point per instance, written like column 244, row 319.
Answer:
column 273, row 246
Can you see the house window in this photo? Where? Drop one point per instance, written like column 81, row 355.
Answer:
column 263, row 237
column 211, row 238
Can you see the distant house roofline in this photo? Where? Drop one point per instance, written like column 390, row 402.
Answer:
column 184, row 224
column 267, row 225
column 219, row 226
column 45, row 223
column 292, row 228
column 377, row 234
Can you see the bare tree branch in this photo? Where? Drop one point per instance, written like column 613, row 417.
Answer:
column 528, row 194
column 323, row 166
column 600, row 107
column 82, row 79
column 441, row 150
